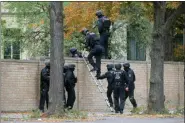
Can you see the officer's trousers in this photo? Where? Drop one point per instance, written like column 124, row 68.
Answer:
column 104, row 43
column 130, row 94
column 97, row 53
column 109, row 95
column 44, row 97
column 70, row 97
column 119, row 98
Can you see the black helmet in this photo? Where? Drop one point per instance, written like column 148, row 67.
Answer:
column 99, row 13
column 110, row 66
column 71, row 66
column 47, row 63
column 118, row 66
column 73, row 50
column 65, row 68
column 84, row 31
column 126, row 65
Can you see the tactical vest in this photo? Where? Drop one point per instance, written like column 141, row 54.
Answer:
column 118, row 77
column 93, row 39
column 106, row 23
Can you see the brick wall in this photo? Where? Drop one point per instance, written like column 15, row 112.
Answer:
column 20, row 85
column 20, row 82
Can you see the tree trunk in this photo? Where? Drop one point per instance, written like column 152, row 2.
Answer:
column 0, row 60
column 56, row 78
column 161, row 28
column 184, row 47
column 156, row 93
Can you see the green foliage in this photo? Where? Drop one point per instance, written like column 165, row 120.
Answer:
column 71, row 114
column 76, row 41
column 139, row 27
column 35, row 114
column 117, row 41
column 179, row 110
column 138, row 110
column 32, row 18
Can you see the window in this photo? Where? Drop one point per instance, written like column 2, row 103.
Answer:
column 135, row 51
column 11, row 43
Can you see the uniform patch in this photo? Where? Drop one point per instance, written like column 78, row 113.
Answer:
column 129, row 75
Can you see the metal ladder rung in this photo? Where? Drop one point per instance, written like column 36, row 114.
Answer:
column 100, row 86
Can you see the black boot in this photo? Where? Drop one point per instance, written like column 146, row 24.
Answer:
column 116, row 111
column 97, row 75
column 121, row 112
column 94, row 69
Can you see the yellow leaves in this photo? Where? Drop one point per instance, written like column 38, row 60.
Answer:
column 173, row 5
column 82, row 14
column 32, row 25
column 35, row 25
column 42, row 21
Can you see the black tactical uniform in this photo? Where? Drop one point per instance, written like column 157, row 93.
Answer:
column 44, row 86
column 131, row 77
column 74, row 53
column 103, row 27
column 92, row 42
column 70, row 81
column 110, row 77
column 64, row 72
column 120, row 81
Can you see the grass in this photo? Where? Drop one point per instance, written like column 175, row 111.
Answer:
column 76, row 115
column 141, row 112
column 72, row 114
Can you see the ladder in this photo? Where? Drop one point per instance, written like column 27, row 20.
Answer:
column 99, row 85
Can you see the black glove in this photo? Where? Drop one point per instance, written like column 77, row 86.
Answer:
column 76, row 79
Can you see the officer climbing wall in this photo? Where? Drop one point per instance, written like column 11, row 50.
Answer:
column 110, row 79
column 95, row 49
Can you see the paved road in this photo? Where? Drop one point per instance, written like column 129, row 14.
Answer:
column 122, row 120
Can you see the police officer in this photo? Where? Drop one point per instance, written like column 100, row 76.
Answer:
column 44, row 86
column 120, row 84
column 65, row 68
column 74, row 53
column 110, row 77
column 92, row 42
column 70, row 81
column 103, row 27
column 131, row 77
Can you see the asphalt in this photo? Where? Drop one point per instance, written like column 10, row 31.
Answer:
column 120, row 120
column 99, row 118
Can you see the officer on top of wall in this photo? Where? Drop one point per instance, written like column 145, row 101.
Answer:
column 103, row 27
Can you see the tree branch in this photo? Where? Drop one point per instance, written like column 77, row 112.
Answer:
column 180, row 10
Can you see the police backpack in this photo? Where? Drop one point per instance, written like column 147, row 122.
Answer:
column 106, row 23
